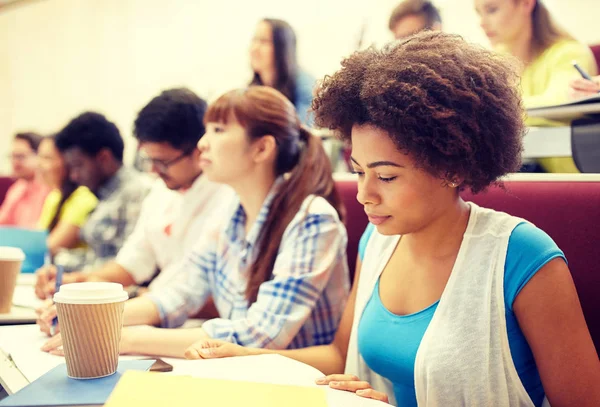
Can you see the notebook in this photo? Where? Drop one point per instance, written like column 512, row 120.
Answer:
column 55, row 388
column 149, row 390
column 569, row 110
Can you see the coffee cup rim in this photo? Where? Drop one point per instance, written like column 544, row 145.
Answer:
column 9, row 253
column 90, row 293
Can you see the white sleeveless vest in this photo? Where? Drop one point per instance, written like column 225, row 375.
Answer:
column 464, row 358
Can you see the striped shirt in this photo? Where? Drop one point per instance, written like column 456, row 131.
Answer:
column 301, row 305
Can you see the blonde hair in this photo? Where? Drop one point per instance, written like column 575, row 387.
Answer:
column 546, row 32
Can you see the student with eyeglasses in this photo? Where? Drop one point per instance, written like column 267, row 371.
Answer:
column 180, row 205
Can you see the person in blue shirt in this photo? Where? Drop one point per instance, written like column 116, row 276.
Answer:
column 274, row 62
column 452, row 304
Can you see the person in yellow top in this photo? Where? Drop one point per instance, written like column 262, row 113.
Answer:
column 67, row 206
column 526, row 30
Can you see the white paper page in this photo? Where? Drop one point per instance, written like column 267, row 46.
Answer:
column 274, row 369
column 23, row 343
column 24, row 296
column 26, row 279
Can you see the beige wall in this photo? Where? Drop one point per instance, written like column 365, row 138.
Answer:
column 60, row 57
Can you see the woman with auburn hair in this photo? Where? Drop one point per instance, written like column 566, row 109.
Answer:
column 526, row 30
column 274, row 62
column 453, row 304
column 276, row 267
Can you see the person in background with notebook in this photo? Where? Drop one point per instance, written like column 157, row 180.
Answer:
column 25, row 198
column 276, row 265
column 581, row 88
column 180, row 207
column 274, row 62
column 93, row 150
column 526, row 30
column 66, row 207
column 412, row 16
column 452, row 304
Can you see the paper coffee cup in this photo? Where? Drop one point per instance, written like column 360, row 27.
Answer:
column 91, row 317
column 11, row 259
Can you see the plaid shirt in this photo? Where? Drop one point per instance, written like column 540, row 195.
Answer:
column 113, row 220
column 301, row 305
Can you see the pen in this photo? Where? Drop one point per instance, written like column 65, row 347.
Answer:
column 583, row 73
column 58, row 282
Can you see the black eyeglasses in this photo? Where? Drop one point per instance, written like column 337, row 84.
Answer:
column 163, row 166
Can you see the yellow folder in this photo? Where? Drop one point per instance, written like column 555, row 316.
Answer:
column 157, row 389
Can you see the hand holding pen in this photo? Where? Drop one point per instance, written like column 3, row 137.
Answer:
column 586, row 86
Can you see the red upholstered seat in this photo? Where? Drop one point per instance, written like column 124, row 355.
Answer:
column 596, row 52
column 356, row 219
column 5, row 183
column 568, row 210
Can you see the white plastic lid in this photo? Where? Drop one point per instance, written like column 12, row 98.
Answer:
column 11, row 254
column 90, row 293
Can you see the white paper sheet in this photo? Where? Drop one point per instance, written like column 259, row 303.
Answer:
column 24, row 296
column 274, row 369
column 23, row 343
column 26, row 279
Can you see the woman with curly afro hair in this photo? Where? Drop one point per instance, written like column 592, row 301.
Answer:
column 453, row 304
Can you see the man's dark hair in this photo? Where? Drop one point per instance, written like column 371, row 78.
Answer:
column 175, row 117
column 91, row 132
column 423, row 8
column 33, row 139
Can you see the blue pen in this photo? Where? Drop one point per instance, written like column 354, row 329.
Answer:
column 58, row 282
column 583, row 73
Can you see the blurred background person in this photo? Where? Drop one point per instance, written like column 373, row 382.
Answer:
column 412, row 16
column 25, row 198
column 580, row 88
column 274, row 62
column 93, row 150
column 66, row 207
column 526, row 30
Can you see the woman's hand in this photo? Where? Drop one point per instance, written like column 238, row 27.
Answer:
column 214, row 349
column 580, row 88
column 46, row 315
column 352, row 384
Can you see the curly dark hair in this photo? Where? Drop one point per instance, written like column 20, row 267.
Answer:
column 455, row 108
column 175, row 117
column 91, row 132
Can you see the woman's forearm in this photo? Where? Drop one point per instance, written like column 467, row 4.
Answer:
column 159, row 341
column 141, row 311
column 325, row 358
